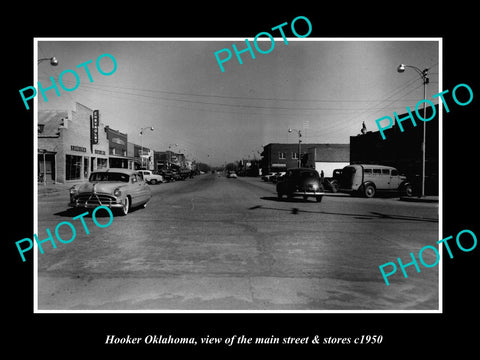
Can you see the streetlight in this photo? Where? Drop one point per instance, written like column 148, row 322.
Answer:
column 424, row 75
column 141, row 133
column 299, row 145
column 53, row 61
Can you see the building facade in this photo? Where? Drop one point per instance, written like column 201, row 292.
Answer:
column 403, row 150
column 117, row 148
column 70, row 145
column 327, row 157
column 168, row 160
column 279, row 157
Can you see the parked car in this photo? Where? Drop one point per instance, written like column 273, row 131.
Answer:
column 169, row 175
column 119, row 189
column 231, row 175
column 150, row 177
column 303, row 182
column 277, row 176
column 267, row 177
column 367, row 180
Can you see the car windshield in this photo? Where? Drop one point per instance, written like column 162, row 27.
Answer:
column 109, row 176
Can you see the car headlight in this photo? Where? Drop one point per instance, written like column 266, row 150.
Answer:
column 315, row 187
column 73, row 190
column 117, row 192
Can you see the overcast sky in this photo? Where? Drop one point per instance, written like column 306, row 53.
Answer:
column 324, row 88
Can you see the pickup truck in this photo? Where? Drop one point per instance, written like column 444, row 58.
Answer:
column 150, row 177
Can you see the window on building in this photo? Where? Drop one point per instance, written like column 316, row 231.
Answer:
column 73, row 167
column 101, row 163
column 295, row 155
column 282, row 155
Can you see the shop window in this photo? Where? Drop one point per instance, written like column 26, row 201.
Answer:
column 281, row 155
column 73, row 167
column 101, row 163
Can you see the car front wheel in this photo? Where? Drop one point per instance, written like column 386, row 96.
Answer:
column 369, row 191
column 153, row 181
column 125, row 206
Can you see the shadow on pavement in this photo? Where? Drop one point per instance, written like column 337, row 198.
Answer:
column 366, row 216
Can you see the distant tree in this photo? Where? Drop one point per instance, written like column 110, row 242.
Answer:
column 203, row 167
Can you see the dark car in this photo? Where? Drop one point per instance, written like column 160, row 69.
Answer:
column 301, row 182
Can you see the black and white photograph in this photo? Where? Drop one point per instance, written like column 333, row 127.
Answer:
column 258, row 183
column 217, row 179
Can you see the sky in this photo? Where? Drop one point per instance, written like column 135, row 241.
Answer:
column 325, row 88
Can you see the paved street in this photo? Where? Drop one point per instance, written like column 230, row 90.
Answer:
column 213, row 243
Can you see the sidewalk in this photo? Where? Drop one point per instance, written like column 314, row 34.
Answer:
column 51, row 188
column 426, row 199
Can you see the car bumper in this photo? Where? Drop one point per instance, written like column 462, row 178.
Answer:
column 308, row 193
column 86, row 205
column 94, row 200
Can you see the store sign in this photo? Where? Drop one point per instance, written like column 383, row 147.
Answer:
column 100, row 152
column 94, row 127
column 78, row 148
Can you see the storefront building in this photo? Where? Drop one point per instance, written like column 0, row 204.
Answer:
column 71, row 144
column 322, row 157
column 117, row 148
column 143, row 157
column 403, row 150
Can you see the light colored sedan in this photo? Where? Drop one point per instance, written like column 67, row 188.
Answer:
column 119, row 189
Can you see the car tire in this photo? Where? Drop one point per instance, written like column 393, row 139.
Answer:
column 369, row 191
column 319, row 198
column 126, row 206
column 153, row 181
column 408, row 190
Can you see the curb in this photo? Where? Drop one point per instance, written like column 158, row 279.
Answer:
column 431, row 199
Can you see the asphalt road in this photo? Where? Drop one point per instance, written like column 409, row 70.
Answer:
column 212, row 243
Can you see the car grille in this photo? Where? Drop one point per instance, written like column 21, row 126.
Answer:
column 97, row 199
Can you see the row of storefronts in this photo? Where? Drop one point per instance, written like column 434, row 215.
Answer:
column 72, row 144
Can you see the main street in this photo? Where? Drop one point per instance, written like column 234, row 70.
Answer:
column 212, row 243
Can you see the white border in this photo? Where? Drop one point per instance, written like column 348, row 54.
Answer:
column 35, row 183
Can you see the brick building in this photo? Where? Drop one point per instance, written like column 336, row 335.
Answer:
column 117, row 148
column 326, row 157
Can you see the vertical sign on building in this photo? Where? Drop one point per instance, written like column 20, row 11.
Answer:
column 94, row 127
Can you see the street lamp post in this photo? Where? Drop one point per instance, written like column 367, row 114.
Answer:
column 141, row 133
column 299, row 162
column 53, row 61
column 424, row 75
